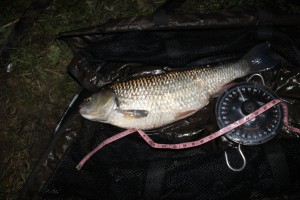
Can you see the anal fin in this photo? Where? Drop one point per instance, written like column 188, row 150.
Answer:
column 223, row 89
column 184, row 114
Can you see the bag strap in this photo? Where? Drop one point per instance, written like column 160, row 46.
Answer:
column 154, row 179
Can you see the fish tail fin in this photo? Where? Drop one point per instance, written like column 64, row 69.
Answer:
column 261, row 58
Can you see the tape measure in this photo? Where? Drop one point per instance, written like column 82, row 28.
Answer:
column 246, row 118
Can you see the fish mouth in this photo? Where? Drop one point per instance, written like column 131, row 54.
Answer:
column 82, row 110
column 84, row 113
column 89, row 117
column 93, row 117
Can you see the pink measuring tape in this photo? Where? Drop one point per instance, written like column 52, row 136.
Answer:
column 204, row 140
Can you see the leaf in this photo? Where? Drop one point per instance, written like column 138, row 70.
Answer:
column 53, row 54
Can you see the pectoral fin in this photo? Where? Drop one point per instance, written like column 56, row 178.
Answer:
column 134, row 113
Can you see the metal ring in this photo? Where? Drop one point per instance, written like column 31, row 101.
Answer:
column 259, row 75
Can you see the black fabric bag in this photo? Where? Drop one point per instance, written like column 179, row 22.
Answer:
column 175, row 36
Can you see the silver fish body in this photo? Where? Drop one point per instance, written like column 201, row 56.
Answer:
column 170, row 97
column 154, row 101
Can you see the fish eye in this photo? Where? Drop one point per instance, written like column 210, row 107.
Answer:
column 88, row 99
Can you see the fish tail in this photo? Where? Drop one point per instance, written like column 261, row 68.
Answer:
column 261, row 58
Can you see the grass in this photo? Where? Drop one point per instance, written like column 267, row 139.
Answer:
column 34, row 95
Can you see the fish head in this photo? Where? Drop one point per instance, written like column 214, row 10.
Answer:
column 99, row 106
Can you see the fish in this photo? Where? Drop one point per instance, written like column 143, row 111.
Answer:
column 151, row 102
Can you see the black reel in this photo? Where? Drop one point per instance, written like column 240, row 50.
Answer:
column 241, row 100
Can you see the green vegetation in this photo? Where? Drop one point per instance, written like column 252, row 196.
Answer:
column 34, row 95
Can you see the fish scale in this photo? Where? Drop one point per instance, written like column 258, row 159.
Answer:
column 169, row 96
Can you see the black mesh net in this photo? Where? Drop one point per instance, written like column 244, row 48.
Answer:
column 169, row 48
column 129, row 168
column 204, row 7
